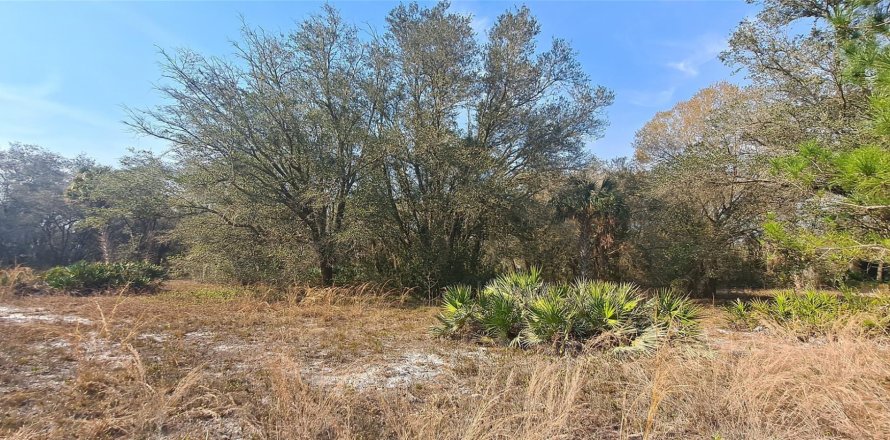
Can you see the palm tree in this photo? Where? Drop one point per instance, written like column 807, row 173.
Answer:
column 598, row 209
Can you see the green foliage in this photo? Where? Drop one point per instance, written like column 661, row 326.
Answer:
column 704, row 192
column 348, row 143
column 500, row 314
column 548, row 319
column 847, row 220
column 861, row 174
column 810, row 313
column 520, row 309
column 429, row 155
column 674, row 312
column 740, row 315
column 516, row 283
column 864, row 173
column 37, row 227
column 129, row 208
column 606, row 307
column 599, row 212
column 847, row 179
column 457, row 307
column 87, row 277
column 802, row 166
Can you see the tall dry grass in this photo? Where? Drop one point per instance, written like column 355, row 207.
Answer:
column 15, row 279
column 837, row 390
column 755, row 386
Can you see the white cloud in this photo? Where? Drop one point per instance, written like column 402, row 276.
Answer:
column 704, row 50
column 20, row 102
column 693, row 55
column 34, row 114
column 686, row 67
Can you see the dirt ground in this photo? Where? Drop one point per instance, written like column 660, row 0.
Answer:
column 201, row 361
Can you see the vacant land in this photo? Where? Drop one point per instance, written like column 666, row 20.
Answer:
column 201, row 361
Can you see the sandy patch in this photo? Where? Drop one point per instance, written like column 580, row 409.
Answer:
column 401, row 372
column 18, row 315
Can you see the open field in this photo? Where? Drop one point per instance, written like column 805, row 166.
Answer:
column 633, row 220
column 198, row 361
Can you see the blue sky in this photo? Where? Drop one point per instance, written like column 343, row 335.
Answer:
column 68, row 69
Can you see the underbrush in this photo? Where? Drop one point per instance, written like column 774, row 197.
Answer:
column 813, row 313
column 85, row 277
column 368, row 293
column 16, row 280
column 520, row 309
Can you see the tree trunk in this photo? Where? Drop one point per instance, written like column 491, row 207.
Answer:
column 584, row 245
column 707, row 286
column 105, row 244
column 327, row 272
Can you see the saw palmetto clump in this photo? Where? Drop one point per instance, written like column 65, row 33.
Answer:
column 520, row 309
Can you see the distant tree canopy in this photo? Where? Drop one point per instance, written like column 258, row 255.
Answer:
column 56, row 211
column 129, row 208
column 707, row 189
column 37, row 227
column 425, row 155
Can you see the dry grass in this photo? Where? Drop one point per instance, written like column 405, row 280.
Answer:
column 215, row 361
column 15, row 279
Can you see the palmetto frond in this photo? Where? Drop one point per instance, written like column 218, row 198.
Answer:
column 647, row 341
column 457, row 308
column 604, row 306
column 676, row 312
column 520, row 309
column 519, row 285
column 547, row 319
column 741, row 314
column 499, row 315
column 813, row 312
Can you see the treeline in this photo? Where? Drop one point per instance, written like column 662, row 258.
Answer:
column 426, row 155
column 56, row 211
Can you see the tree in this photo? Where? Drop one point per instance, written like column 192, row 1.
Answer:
column 471, row 135
column 289, row 125
column 796, row 60
column 37, row 227
column 599, row 211
column 848, row 219
column 304, row 126
column 129, row 206
column 708, row 188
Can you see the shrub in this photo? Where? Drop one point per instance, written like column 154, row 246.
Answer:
column 740, row 315
column 88, row 277
column 521, row 310
column 812, row 313
column 676, row 313
column 457, row 306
